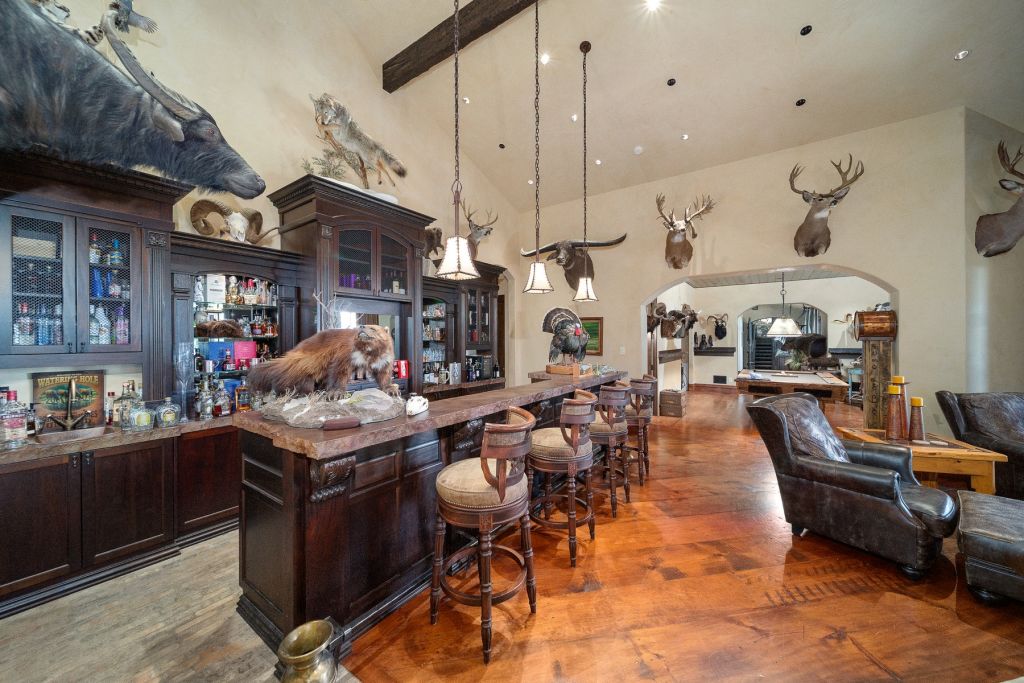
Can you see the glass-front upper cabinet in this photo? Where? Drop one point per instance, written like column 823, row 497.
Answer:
column 109, row 314
column 478, row 317
column 371, row 261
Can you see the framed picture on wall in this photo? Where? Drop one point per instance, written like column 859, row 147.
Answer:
column 50, row 394
column 595, row 328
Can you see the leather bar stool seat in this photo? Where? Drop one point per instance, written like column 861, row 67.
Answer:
column 550, row 444
column 461, row 484
column 644, row 412
column 599, row 425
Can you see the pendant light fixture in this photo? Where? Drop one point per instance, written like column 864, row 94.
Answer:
column 538, row 282
column 457, row 263
column 784, row 326
column 585, row 289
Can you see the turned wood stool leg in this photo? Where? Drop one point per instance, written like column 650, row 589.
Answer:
column 547, row 496
column 485, row 590
column 590, row 501
column 527, row 545
column 435, row 579
column 647, row 451
column 571, row 510
column 623, row 458
column 609, row 465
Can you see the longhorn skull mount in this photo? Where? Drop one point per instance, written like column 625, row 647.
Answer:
column 572, row 256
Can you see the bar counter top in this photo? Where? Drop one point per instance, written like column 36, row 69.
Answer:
column 38, row 451
column 319, row 445
column 475, row 384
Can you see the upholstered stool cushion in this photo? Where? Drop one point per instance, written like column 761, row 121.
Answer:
column 462, row 483
column 550, row 444
column 599, row 426
column 991, row 537
column 936, row 509
column 644, row 412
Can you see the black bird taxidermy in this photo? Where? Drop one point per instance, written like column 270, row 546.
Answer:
column 569, row 339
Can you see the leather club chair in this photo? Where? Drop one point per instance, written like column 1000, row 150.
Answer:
column 861, row 494
column 994, row 421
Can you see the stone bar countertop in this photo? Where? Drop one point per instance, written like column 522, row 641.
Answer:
column 436, row 388
column 37, row 451
column 318, row 445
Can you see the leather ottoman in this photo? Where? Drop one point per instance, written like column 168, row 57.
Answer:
column 991, row 538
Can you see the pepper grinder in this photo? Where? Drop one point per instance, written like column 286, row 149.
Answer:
column 916, row 419
column 901, row 382
column 895, row 428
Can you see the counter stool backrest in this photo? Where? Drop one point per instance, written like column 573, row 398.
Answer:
column 642, row 393
column 577, row 414
column 612, row 403
column 508, row 444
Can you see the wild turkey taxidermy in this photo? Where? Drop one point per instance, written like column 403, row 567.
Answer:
column 326, row 361
column 569, row 340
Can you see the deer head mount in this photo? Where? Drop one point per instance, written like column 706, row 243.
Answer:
column 477, row 233
column 813, row 236
column 678, row 250
column 572, row 256
column 998, row 233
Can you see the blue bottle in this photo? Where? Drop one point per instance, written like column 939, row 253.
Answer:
column 96, row 283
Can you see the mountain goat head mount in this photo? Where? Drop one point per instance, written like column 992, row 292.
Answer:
column 572, row 256
column 813, row 236
column 998, row 233
column 678, row 250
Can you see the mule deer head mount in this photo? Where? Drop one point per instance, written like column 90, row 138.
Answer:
column 477, row 231
column 998, row 233
column 678, row 250
column 813, row 236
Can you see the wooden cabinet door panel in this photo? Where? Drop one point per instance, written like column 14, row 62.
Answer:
column 208, row 473
column 127, row 498
column 40, row 532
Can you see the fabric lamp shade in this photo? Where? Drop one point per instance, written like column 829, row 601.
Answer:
column 457, row 263
column 585, row 290
column 784, row 327
column 538, row 282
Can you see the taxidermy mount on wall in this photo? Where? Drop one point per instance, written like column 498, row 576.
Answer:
column 57, row 91
column 359, row 150
column 678, row 250
column 477, row 233
column 998, row 233
column 241, row 225
column 325, row 362
column 572, row 257
column 813, row 236
column 569, row 339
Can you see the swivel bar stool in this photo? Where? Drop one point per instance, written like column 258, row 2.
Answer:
column 639, row 413
column 567, row 450
column 609, row 430
column 485, row 493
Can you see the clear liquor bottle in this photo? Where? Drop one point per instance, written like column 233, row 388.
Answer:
column 221, row 400
column 243, row 397
column 13, row 422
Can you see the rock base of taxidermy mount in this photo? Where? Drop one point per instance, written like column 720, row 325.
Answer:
column 574, row 370
column 390, row 198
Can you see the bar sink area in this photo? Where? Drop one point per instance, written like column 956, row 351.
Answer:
column 53, row 437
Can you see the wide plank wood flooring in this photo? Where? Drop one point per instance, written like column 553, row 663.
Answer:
column 700, row 579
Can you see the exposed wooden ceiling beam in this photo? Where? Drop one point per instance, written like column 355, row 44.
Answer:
column 476, row 19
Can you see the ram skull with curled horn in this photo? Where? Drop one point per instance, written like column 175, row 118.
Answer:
column 572, row 256
column 240, row 225
column 678, row 250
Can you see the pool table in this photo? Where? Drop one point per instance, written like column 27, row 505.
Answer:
column 823, row 385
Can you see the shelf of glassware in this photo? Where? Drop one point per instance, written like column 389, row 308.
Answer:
column 250, row 302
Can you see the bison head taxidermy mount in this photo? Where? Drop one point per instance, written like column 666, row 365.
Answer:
column 569, row 339
column 678, row 250
column 813, row 236
column 241, row 225
column 572, row 256
column 95, row 113
column 998, row 233
column 325, row 362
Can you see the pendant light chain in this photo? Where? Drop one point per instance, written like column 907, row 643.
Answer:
column 586, row 246
column 457, row 185
column 536, row 126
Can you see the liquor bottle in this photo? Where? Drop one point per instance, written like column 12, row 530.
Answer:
column 95, row 253
column 121, row 331
column 496, row 372
column 199, row 361
column 30, row 420
column 58, row 325
column 114, row 284
column 94, row 326
column 167, row 413
column 205, row 400
column 123, row 405
column 13, row 423
column 26, row 326
column 221, row 400
column 228, row 365
column 108, row 408
column 115, row 258
column 42, row 327
column 102, row 326
column 243, row 397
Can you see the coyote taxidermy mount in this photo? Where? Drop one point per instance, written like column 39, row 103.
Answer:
column 337, row 128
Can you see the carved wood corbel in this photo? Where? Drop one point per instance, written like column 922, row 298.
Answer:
column 329, row 478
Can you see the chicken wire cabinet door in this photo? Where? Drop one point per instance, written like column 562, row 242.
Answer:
column 109, row 279
column 37, row 309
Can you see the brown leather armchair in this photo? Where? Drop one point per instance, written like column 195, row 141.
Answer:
column 861, row 494
column 994, row 421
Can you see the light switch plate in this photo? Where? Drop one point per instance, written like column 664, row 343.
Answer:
column 622, row 350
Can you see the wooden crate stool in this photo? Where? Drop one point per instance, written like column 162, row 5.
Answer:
column 567, row 450
column 609, row 431
column 639, row 413
column 484, row 493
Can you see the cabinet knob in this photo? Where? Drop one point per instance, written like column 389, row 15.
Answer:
column 87, row 458
column 74, row 461
column 81, row 346
column 70, row 347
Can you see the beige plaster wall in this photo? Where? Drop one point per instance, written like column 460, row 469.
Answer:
column 902, row 224
column 995, row 285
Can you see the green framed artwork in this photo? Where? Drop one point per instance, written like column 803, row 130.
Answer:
column 594, row 327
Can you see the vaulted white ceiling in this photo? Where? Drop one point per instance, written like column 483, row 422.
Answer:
column 739, row 67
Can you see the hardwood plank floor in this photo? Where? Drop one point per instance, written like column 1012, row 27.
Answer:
column 700, row 578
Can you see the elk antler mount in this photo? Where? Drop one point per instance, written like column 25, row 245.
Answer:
column 813, row 237
column 572, row 256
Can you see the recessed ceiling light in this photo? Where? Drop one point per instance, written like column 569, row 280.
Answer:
column 465, row 100
column 501, row 145
column 545, row 58
column 530, row 181
column 959, row 56
column 670, row 82
column 806, row 29
column 638, row 150
column 574, row 118
column 652, row 5
column 684, row 136
column 597, row 161
column 801, row 102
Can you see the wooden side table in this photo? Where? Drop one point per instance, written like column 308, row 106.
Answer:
column 955, row 457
